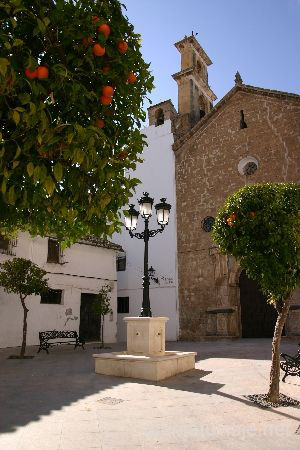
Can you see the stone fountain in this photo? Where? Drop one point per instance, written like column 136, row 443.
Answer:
column 146, row 357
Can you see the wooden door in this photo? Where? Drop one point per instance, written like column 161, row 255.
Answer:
column 89, row 328
column 257, row 316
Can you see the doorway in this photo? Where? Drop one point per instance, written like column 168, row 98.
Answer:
column 258, row 317
column 89, row 328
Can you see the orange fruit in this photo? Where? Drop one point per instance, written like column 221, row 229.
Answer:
column 31, row 75
column 100, row 123
column 104, row 29
column 122, row 47
column 95, row 20
column 105, row 100
column 106, row 69
column 42, row 72
column 108, row 91
column 131, row 78
column 98, row 50
column 87, row 41
column 123, row 155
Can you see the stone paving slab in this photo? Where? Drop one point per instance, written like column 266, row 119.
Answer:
column 57, row 402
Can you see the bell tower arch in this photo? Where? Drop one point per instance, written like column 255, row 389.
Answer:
column 195, row 96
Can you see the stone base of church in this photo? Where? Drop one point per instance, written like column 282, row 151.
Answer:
column 212, row 338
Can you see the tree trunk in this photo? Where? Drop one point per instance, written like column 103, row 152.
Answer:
column 25, row 309
column 273, row 393
column 102, row 333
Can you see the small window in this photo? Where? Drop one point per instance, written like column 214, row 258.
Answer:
column 7, row 245
column 123, row 305
column 53, row 251
column 4, row 243
column 52, row 297
column 160, row 117
column 121, row 263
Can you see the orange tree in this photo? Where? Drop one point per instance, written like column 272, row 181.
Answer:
column 70, row 112
column 260, row 226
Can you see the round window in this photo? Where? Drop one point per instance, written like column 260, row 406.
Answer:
column 208, row 223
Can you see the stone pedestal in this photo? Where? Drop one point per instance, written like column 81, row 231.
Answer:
column 145, row 357
column 146, row 335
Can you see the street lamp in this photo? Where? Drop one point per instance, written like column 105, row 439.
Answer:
column 131, row 218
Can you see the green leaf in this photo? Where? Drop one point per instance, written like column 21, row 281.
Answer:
column 105, row 200
column 11, row 195
column 3, row 65
column 46, row 21
column 16, row 117
column 18, row 42
column 36, row 174
column 30, row 169
column 41, row 25
column 58, row 171
column 18, row 152
column 4, row 185
column 15, row 164
column 78, row 156
column 32, row 108
column 24, row 98
column 49, row 185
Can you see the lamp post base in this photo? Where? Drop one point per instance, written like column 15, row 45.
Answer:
column 146, row 312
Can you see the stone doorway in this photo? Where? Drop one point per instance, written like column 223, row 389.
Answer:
column 258, row 318
column 89, row 328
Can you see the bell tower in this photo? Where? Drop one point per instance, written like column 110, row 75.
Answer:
column 195, row 96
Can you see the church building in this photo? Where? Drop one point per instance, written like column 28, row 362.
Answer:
column 250, row 136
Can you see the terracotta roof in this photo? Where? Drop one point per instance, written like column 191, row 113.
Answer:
column 99, row 242
column 244, row 88
column 161, row 103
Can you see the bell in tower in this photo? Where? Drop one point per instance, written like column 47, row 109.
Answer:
column 195, row 97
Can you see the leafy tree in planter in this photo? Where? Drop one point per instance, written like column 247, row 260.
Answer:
column 101, row 307
column 22, row 277
column 260, row 226
column 72, row 86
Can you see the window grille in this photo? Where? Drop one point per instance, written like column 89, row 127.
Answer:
column 123, row 305
column 121, row 263
column 7, row 246
column 52, row 297
column 55, row 254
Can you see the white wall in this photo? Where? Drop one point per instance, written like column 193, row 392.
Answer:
column 86, row 269
column 157, row 175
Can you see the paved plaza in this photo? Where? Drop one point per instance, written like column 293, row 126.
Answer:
column 56, row 401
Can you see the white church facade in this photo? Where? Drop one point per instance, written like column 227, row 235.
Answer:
column 157, row 176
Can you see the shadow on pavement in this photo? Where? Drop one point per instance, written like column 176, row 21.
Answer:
column 33, row 388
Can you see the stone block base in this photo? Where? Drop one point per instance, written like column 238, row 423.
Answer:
column 154, row 368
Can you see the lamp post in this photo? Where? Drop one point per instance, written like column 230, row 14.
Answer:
column 163, row 213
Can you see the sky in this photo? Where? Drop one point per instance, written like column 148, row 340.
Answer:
column 259, row 38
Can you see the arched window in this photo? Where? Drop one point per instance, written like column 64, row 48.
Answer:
column 199, row 68
column 202, row 106
column 160, row 118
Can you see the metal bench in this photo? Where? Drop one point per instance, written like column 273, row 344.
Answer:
column 69, row 337
column 290, row 365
